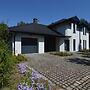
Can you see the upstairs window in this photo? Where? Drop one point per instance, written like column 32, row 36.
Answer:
column 84, row 30
column 74, row 29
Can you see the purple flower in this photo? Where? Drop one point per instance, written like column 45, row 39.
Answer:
column 41, row 87
column 30, row 88
column 23, row 87
column 36, row 75
column 19, row 87
column 22, row 68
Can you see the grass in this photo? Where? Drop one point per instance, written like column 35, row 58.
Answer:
column 63, row 54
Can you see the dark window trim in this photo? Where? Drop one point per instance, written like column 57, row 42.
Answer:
column 74, row 28
column 74, row 44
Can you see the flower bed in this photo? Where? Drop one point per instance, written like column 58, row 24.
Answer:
column 62, row 53
column 32, row 79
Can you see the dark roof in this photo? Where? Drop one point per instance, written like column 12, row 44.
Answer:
column 72, row 19
column 34, row 28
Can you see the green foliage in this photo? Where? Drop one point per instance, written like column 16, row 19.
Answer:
column 4, row 32
column 85, row 50
column 20, row 58
column 21, row 23
column 83, row 21
column 6, row 64
column 26, row 78
column 6, row 58
column 62, row 53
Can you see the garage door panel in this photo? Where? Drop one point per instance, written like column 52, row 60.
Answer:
column 29, row 49
column 29, row 45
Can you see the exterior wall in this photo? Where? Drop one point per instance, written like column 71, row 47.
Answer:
column 18, row 42
column 64, row 29
column 41, row 45
column 76, row 37
column 59, row 44
column 85, row 37
column 68, row 31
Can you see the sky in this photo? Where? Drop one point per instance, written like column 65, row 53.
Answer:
column 47, row 11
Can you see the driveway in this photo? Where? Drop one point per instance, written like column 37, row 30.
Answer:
column 70, row 73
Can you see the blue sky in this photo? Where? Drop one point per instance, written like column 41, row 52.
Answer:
column 47, row 11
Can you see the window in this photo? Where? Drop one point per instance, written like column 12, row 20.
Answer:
column 67, row 45
column 84, row 44
column 84, row 30
column 74, row 30
column 74, row 44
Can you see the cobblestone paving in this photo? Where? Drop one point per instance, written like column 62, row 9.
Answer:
column 65, row 72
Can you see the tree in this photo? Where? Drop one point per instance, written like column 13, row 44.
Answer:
column 83, row 22
column 3, row 32
column 6, row 61
column 21, row 23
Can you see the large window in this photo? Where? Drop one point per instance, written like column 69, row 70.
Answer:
column 74, row 29
column 84, row 44
column 74, row 44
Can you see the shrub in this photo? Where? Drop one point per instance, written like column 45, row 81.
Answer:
column 85, row 50
column 6, row 64
column 20, row 58
column 62, row 53
column 4, row 34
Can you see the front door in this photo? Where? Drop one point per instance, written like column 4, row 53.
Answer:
column 67, row 45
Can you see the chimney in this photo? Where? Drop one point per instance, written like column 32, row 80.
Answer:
column 35, row 20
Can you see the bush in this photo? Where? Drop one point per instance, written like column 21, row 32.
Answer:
column 85, row 50
column 6, row 64
column 20, row 58
column 62, row 53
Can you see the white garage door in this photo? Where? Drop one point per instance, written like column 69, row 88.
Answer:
column 29, row 45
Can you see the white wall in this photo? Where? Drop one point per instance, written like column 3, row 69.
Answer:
column 64, row 29
column 74, row 36
column 18, row 42
column 85, row 37
column 41, row 44
column 67, row 30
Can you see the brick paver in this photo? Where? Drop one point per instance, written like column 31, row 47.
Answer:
column 65, row 72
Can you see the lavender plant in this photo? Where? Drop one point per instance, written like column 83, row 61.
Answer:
column 31, row 80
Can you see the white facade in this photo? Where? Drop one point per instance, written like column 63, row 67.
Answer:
column 17, row 44
column 67, row 30
column 75, row 41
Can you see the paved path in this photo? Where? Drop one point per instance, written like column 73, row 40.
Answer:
column 70, row 73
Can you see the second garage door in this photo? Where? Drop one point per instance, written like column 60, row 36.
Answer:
column 29, row 45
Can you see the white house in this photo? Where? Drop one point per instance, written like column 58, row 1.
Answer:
column 77, row 36
column 63, row 35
